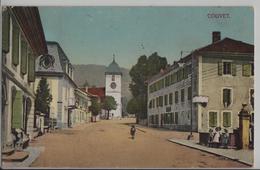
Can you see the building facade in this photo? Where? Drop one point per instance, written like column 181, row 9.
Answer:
column 22, row 41
column 58, row 71
column 81, row 113
column 214, row 81
column 113, row 76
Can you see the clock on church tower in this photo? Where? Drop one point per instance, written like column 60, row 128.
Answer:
column 113, row 76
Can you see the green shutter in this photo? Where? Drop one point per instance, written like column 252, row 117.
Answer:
column 31, row 66
column 234, row 69
column 23, row 56
column 226, row 119
column 246, row 70
column 220, row 68
column 17, row 118
column 15, row 45
column 5, row 31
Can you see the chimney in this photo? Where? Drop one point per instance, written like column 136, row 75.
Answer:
column 216, row 36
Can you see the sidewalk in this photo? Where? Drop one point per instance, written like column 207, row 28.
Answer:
column 34, row 153
column 244, row 156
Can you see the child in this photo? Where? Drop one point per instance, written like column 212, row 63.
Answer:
column 225, row 138
column 132, row 131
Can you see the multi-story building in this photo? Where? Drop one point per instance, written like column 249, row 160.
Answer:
column 58, row 71
column 211, row 82
column 81, row 113
column 22, row 41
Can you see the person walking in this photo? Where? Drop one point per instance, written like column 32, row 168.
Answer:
column 132, row 131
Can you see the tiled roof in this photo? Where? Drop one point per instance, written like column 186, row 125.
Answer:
column 226, row 45
column 99, row 91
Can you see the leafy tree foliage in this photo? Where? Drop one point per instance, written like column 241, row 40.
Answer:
column 109, row 104
column 43, row 97
column 95, row 107
column 143, row 70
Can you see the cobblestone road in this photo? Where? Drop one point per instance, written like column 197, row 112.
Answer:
column 107, row 144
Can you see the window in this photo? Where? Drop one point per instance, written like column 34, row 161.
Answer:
column 252, row 69
column 182, row 95
column 170, row 98
column 161, row 101
column 213, row 119
column 252, row 97
column 227, row 68
column 113, row 77
column 226, row 119
column 189, row 93
column 150, row 104
column 165, row 99
column 176, row 97
column 226, row 97
column 176, row 118
column 157, row 101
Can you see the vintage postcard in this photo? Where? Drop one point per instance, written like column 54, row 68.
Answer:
column 127, row 87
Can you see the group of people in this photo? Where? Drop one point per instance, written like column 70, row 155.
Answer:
column 218, row 138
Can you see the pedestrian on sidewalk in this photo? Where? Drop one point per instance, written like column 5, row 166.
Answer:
column 225, row 139
column 210, row 140
column 132, row 131
column 216, row 138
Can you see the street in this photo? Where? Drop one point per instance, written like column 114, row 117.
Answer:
column 107, row 144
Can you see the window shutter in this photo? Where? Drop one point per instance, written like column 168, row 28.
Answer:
column 5, row 31
column 23, row 56
column 17, row 121
column 15, row 45
column 246, row 70
column 220, row 68
column 31, row 66
column 234, row 69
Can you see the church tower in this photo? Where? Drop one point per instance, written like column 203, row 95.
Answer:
column 113, row 76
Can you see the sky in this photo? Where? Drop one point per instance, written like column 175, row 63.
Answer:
column 91, row 35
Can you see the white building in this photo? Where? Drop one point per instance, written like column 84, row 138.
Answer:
column 217, row 78
column 22, row 41
column 113, row 77
column 58, row 70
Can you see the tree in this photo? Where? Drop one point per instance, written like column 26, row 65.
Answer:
column 95, row 107
column 132, row 106
column 43, row 97
column 109, row 104
column 142, row 71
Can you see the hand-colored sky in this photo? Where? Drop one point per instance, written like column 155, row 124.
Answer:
column 91, row 35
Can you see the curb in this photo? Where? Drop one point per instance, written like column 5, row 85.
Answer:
column 229, row 157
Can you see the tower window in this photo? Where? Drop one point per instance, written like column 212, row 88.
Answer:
column 113, row 77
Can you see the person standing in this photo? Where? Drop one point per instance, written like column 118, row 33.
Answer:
column 132, row 131
column 216, row 137
column 225, row 139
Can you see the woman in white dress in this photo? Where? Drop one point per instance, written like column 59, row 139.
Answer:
column 216, row 138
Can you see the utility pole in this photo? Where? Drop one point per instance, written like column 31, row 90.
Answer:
column 191, row 109
column 190, row 136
